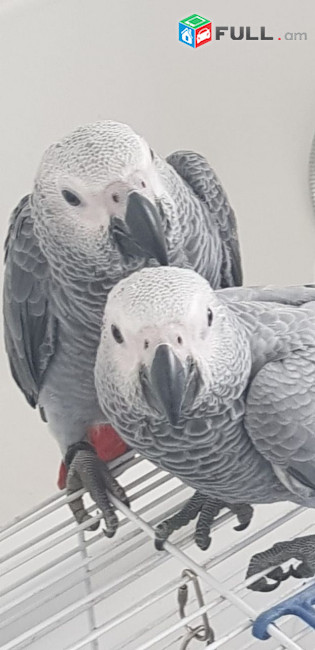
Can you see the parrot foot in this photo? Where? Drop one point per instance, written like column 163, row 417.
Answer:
column 182, row 518
column 301, row 548
column 208, row 509
column 86, row 470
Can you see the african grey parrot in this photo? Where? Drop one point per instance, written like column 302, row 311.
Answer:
column 217, row 388
column 103, row 205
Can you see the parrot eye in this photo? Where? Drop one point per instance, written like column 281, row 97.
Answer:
column 210, row 317
column 179, row 340
column 117, row 334
column 146, row 344
column 152, row 154
column 115, row 197
column 143, row 184
column 70, row 197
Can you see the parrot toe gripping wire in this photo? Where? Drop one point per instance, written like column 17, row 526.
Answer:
column 208, row 509
column 301, row 549
column 189, row 512
column 86, row 470
column 82, row 591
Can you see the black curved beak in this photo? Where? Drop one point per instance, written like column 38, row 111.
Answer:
column 168, row 381
column 145, row 226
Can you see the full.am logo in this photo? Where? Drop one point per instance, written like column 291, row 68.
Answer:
column 197, row 30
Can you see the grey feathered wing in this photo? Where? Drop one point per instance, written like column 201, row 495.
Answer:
column 29, row 327
column 280, row 414
column 295, row 295
column 197, row 173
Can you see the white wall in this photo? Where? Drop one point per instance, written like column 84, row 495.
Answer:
column 248, row 106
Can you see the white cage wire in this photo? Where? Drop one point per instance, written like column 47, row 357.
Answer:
column 64, row 588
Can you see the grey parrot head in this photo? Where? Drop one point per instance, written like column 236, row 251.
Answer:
column 97, row 191
column 169, row 343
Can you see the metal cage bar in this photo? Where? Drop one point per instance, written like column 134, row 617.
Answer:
column 47, row 558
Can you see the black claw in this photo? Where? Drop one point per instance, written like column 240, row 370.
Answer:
column 159, row 544
column 109, row 533
column 270, row 587
column 162, row 533
column 205, row 545
column 241, row 527
column 203, row 542
column 302, row 548
column 263, row 585
column 94, row 526
column 125, row 501
column 301, row 571
column 296, row 572
column 244, row 514
column 278, row 574
column 112, row 523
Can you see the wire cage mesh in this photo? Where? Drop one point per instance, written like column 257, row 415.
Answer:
column 68, row 588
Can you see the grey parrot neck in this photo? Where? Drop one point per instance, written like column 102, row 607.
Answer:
column 84, row 284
